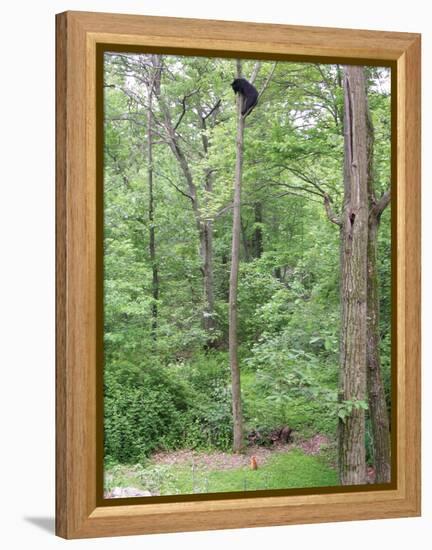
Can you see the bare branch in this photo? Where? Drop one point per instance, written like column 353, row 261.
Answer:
column 266, row 83
column 182, row 114
column 291, row 191
column 212, row 110
column 329, row 211
column 169, row 180
column 187, row 96
column 293, row 194
column 231, row 205
column 382, row 204
column 225, row 209
column 296, row 187
column 255, row 72
column 124, row 118
column 307, row 179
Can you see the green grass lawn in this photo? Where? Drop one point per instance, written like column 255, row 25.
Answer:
column 292, row 469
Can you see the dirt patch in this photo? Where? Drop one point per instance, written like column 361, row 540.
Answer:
column 218, row 460
column 313, row 445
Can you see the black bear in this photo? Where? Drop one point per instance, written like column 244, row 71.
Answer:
column 249, row 93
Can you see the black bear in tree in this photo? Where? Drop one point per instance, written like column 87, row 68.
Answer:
column 249, row 93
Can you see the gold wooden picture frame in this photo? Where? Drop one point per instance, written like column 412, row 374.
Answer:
column 80, row 508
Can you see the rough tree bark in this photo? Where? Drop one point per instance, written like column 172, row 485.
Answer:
column 232, row 303
column 376, row 395
column 354, row 239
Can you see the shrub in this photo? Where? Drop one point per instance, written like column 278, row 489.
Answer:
column 208, row 421
column 142, row 413
column 151, row 407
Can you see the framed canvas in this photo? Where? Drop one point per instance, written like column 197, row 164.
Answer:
column 234, row 356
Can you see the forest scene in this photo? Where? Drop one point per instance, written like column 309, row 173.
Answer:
column 247, row 275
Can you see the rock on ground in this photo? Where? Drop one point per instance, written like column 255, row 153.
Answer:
column 125, row 492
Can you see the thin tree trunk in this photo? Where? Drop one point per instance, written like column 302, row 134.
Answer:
column 257, row 236
column 204, row 227
column 209, row 321
column 206, row 248
column 352, row 386
column 205, row 234
column 152, row 242
column 376, row 395
column 225, row 279
column 232, row 306
column 244, row 240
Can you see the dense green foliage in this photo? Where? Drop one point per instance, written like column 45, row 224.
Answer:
column 168, row 390
column 150, row 407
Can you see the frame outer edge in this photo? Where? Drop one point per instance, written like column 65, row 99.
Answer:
column 74, row 510
column 413, row 272
column 61, row 480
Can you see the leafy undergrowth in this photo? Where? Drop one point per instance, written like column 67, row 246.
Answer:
column 282, row 470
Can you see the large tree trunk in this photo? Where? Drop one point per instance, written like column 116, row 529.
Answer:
column 354, row 231
column 376, row 395
column 232, row 306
